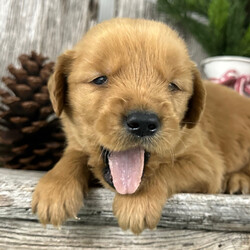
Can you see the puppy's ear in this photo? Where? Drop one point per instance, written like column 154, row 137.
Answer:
column 57, row 84
column 196, row 102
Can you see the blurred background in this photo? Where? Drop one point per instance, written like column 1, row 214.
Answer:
column 50, row 27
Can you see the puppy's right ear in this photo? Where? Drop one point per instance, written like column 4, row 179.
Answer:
column 196, row 102
column 57, row 84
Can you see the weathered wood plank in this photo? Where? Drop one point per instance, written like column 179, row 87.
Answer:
column 97, row 226
column 29, row 235
column 192, row 211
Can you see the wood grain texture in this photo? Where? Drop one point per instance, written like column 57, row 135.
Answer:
column 49, row 27
column 183, row 217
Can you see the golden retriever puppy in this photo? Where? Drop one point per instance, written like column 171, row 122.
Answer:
column 140, row 119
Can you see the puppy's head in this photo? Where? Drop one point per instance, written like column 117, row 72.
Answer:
column 129, row 89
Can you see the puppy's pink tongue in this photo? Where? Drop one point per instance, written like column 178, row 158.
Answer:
column 126, row 169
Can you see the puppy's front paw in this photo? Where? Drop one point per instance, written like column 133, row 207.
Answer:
column 136, row 212
column 56, row 199
column 237, row 183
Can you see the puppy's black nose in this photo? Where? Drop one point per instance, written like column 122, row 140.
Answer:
column 142, row 123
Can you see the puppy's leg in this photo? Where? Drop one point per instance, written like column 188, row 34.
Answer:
column 59, row 194
column 199, row 173
column 239, row 182
column 143, row 209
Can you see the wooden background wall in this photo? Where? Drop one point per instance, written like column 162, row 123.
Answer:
column 52, row 26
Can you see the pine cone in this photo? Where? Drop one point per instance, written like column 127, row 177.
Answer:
column 30, row 138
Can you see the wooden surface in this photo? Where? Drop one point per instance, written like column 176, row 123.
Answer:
column 183, row 217
column 50, row 27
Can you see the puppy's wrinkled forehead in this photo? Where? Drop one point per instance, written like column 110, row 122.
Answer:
column 122, row 42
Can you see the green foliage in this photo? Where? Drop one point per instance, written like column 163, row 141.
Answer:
column 245, row 42
column 221, row 26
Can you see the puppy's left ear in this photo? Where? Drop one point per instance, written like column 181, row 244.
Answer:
column 196, row 102
column 58, row 84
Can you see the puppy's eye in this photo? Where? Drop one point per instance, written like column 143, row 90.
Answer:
column 100, row 80
column 173, row 87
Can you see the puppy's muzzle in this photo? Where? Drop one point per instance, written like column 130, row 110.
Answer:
column 141, row 123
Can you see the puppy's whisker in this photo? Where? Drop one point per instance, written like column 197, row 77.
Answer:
column 182, row 142
column 172, row 130
column 180, row 137
column 101, row 154
column 169, row 131
column 183, row 123
column 162, row 138
column 171, row 152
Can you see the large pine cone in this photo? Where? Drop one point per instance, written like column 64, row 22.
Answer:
column 30, row 135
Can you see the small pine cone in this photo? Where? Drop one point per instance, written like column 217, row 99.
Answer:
column 28, row 139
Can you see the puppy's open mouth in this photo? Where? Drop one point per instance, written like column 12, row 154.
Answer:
column 124, row 169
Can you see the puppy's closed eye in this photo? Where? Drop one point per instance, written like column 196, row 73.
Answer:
column 100, row 80
column 173, row 87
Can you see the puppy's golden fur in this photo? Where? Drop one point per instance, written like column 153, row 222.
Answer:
column 203, row 144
